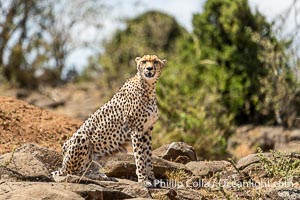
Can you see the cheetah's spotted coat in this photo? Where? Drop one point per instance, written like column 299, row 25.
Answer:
column 128, row 116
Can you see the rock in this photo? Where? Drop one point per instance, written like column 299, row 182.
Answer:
column 119, row 185
column 189, row 194
column 207, row 168
column 169, row 194
column 41, row 192
column 123, row 165
column 137, row 190
column 44, row 101
column 22, row 166
column 22, row 93
column 175, row 194
column 246, row 139
column 29, row 162
column 177, row 152
column 249, row 160
column 51, row 159
column 294, row 135
column 286, row 193
column 289, row 141
column 15, row 190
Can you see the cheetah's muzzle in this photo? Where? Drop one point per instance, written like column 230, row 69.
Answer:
column 149, row 74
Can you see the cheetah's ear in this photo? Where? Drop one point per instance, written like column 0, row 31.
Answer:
column 137, row 59
column 164, row 61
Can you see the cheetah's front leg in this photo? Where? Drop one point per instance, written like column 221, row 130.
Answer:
column 137, row 145
column 147, row 142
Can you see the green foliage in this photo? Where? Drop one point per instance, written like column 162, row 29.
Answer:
column 190, row 103
column 152, row 32
column 280, row 164
column 224, row 31
column 213, row 82
column 219, row 76
column 279, row 87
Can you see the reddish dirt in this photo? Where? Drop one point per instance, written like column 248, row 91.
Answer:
column 22, row 123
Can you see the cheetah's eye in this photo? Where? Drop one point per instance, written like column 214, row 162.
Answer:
column 155, row 62
column 144, row 61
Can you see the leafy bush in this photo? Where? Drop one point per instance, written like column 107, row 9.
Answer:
column 280, row 164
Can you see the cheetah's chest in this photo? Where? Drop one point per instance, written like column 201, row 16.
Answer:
column 152, row 116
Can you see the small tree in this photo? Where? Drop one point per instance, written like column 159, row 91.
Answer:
column 35, row 38
column 152, row 32
column 224, row 31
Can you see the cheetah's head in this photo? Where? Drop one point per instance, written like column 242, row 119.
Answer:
column 149, row 67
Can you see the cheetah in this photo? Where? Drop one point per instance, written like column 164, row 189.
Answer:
column 128, row 117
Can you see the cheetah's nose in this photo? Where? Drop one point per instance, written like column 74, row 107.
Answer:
column 149, row 68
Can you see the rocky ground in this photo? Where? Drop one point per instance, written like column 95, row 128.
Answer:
column 31, row 139
column 24, row 174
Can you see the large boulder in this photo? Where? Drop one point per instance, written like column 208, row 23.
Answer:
column 30, row 162
column 177, row 152
column 22, row 166
column 50, row 158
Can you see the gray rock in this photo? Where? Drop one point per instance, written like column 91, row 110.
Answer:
column 123, row 166
column 284, row 193
column 207, row 168
column 177, row 152
column 294, row 135
column 51, row 159
column 169, row 194
column 41, row 192
column 289, row 193
column 22, row 166
column 15, row 190
column 249, row 160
